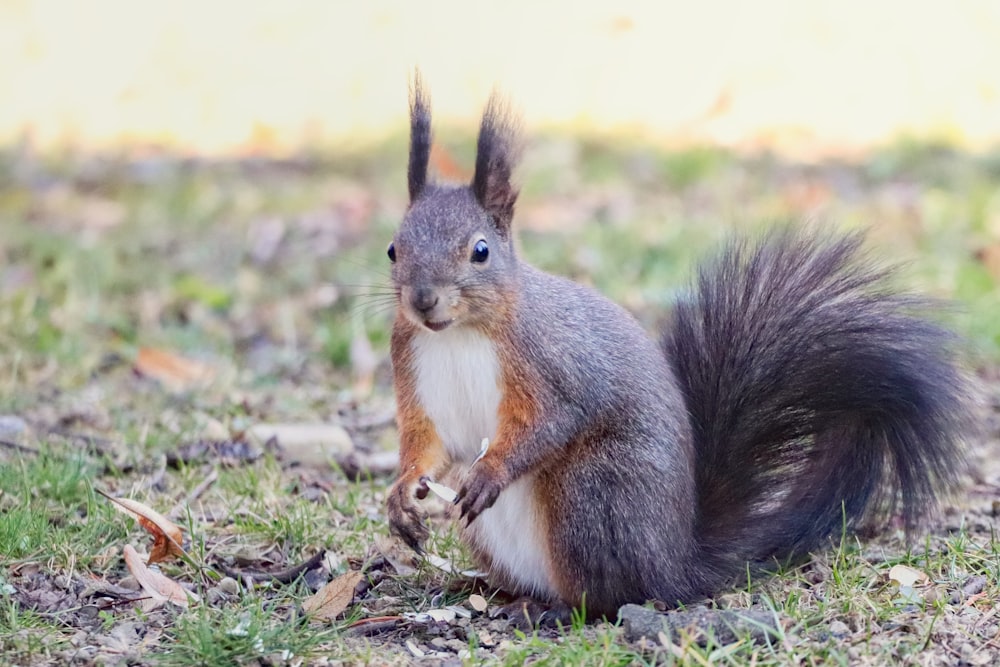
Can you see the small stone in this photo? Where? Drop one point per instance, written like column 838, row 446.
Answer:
column 12, row 427
column 214, row 431
column 215, row 597
column 309, row 444
column 229, row 586
column 839, row 629
column 974, row 585
column 129, row 583
column 88, row 612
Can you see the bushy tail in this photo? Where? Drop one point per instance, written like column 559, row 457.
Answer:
column 817, row 394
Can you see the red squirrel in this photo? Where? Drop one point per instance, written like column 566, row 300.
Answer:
column 793, row 393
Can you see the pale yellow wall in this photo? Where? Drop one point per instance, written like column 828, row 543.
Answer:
column 222, row 75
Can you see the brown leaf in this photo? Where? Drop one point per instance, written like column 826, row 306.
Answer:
column 158, row 586
column 330, row 601
column 175, row 372
column 167, row 536
column 990, row 258
column 447, row 166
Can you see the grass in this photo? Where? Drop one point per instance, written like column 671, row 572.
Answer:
column 271, row 273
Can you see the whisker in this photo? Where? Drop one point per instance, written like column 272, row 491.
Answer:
column 376, row 286
column 361, row 262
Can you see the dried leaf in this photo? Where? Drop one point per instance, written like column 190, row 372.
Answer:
column 173, row 371
column 158, row 586
column 459, row 611
column 167, row 536
column 446, row 565
column 330, row 601
column 442, row 615
column 906, row 576
column 414, row 651
column 440, row 563
column 441, row 491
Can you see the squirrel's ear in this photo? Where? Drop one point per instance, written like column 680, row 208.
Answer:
column 420, row 136
column 498, row 151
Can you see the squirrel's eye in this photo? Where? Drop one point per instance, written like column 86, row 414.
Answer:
column 391, row 252
column 480, row 252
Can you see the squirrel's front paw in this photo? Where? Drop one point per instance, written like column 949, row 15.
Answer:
column 481, row 488
column 406, row 520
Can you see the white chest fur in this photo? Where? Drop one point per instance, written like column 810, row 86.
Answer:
column 458, row 383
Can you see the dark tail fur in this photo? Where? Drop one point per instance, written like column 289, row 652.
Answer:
column 818, row 396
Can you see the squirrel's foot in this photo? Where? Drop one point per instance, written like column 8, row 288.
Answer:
column 406, row 519
column 527, row 614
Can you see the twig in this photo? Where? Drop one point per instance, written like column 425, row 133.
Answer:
column 280, row 577
column 369, row 627
column 90, row 440
column 18, row 448
column 197, row 492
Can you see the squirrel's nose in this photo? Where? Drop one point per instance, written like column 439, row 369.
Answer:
column 424, row 299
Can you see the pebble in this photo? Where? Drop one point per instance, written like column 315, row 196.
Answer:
column 839, row 629
column 130, row 583
column 12, row 427
column 456, row 645
column 229, row 586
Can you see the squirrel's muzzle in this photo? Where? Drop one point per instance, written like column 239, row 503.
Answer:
column 428, row 306
column 423, row 300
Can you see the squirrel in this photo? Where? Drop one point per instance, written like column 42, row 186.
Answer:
column 793, row 394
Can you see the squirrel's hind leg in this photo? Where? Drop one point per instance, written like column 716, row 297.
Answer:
column 620, row 532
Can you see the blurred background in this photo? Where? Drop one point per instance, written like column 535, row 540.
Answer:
column 214, row 183
column 227, row 76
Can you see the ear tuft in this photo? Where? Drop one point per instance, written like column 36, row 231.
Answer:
column 498, row 151
column 420, row 136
